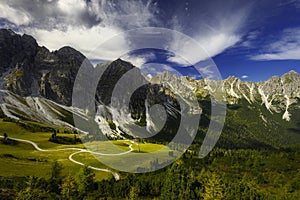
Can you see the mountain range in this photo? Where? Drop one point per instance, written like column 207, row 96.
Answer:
column 38, row 85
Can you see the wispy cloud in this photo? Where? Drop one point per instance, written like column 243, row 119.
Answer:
column 249, row 40
column 215, row 33
column 14, row 15
column 210, row 46
column 284, row 47
column 207, row 71
column 244, row 77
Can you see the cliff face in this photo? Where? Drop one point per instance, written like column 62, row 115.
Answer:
column 27, row 69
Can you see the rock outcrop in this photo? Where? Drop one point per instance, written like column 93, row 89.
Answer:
column 30, row 70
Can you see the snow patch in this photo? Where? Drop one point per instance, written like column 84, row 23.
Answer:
column 263, row 118
column 286, row 115
column 244, row 95
column 251, row 91
column 264, row 99
column 231, row 91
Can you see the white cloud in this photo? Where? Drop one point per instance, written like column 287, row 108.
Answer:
column 286, row 55
column 71, row 7
column 125, row 13
column 217, row 43
column 202, row 48
column 207, row 71
column 14, row 15
column 95, row 42
column 149, row 76
column 157, row 68
column 62, row 13
column 286, row 47
column 248, row 42
column 244, row 77
column 138, row 60
column 216, row 35
column 88, row 26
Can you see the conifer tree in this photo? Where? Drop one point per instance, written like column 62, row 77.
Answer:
column 69, row 188
column 85, row 180
column 214, row 189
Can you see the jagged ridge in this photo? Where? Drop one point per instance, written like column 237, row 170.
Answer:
column 38, row 85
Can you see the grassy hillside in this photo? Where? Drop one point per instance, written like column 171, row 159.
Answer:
column 22, row 159
column 252, row 126
column 15, row 156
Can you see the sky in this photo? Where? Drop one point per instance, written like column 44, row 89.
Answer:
column 252, row 40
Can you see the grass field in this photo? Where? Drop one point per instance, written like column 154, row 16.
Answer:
column 22, row 159
column 142, row 155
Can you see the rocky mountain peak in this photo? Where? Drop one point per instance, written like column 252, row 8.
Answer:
column 6, row 32
column 277, row 94
column 30, row 70
column 67, row 50
column 30, row 46
column 231, row 78
column 121, row 64
column 291, row 75
column 292, row 72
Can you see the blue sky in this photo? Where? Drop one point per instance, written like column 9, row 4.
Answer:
column 252, row 40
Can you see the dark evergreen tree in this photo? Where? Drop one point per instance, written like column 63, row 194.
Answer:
column 69, row 188
column 56, row 178
column 85, row 180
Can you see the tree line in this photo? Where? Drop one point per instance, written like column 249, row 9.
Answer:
column 223, row 174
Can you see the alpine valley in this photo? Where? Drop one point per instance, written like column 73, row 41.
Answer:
column 262, row 120
column 37, row 85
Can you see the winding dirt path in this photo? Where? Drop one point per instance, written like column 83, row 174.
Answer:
column 79, row 150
